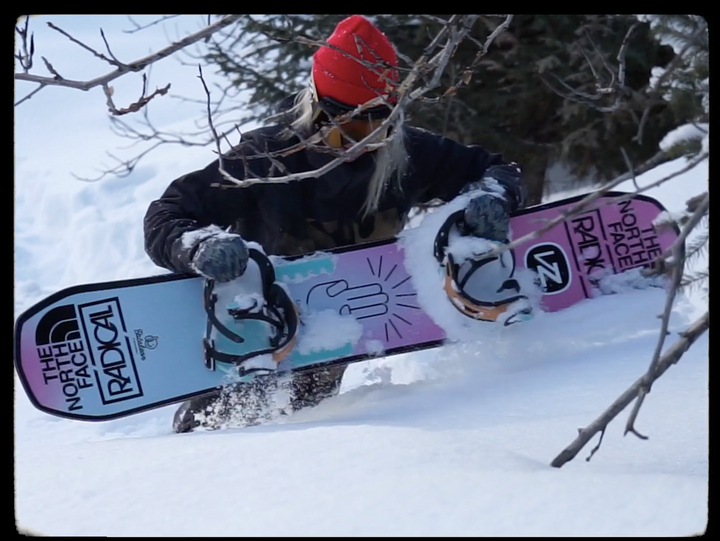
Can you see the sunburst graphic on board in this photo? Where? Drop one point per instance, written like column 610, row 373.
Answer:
column 384, row 292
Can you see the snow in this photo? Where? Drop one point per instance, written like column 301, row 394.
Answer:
column 684, row 133
column 190, row 238
column 452, row 441
column 326, row 329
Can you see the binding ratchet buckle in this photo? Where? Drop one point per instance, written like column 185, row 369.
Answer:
column 278, row 310
column 483, row 288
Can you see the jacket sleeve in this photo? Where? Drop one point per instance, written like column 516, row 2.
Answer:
column 440, row 168
column 192, row 207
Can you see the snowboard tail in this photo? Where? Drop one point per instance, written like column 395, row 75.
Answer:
column 102, row 351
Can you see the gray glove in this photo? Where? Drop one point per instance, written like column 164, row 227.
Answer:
column 221, row 257
column 488, row 214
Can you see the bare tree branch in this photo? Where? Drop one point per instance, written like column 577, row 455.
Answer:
column 25, row 57
column 122, row 69
column 669, row 69
column 672, row 356
column 610, row 87
column 650, row 376
column 692, row 163
column 622, row 53
column 221, row 168
column 137, row 105
column 630, row 167
column 124, row 167
column 30, row 94
column 101, row 56
column 421, row 77
column 615, row 87
column 468, row 72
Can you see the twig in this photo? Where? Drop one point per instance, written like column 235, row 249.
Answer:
column 616, row 86
column 611, row 201
column 107, row 46
column 25, row 57
column 153, row 23
column 698, row 213
column 630, row 167
column 51, row 69
column 610, row 87
column 672, row 65
column 649, row 377
column 623, row 52
column 690, row 165
column 672, row 356
column 224, row 173
column 136, row 106
column 135, row 66
column 597, row 447
column 29, row 95
column 101, row 56
column 124, row 168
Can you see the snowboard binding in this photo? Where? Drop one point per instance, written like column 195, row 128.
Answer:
column 479, row 286
column 277, row 310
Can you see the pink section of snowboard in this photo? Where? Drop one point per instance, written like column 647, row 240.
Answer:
column 570, row 257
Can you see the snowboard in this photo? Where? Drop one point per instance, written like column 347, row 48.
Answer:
column 102, row 351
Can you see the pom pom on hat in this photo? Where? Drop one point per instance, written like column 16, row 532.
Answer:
column 337, row 76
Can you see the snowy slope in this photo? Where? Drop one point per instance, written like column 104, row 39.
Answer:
column 454, row 441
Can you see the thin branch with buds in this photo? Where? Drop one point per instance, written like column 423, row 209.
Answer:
column 121, row 68
column 136, row 106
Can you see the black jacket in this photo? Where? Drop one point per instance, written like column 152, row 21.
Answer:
column 313, row 214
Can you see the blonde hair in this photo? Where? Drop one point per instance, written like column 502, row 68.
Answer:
column 391, row 159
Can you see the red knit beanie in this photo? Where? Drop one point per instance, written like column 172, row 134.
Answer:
column 339, row 77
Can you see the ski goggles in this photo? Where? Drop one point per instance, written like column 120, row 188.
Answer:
column 347, row 133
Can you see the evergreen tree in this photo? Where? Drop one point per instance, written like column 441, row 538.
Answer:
column 685, row 85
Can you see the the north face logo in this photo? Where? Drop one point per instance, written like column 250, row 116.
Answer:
column 551, row 264
column 58, row 325
column 86, row 346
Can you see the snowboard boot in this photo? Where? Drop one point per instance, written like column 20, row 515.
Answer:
column 308, row 389
column 252, row 403
column 237, row 405
column 192, row 413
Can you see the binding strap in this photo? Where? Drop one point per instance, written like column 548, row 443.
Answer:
column 468, row 305
column 279, row 311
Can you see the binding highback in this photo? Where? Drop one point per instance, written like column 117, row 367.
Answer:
column 278, row 311
column 491, row 301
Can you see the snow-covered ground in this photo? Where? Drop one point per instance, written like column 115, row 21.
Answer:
column 454, row 441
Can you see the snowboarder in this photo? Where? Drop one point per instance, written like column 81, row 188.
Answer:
column 363, row 199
